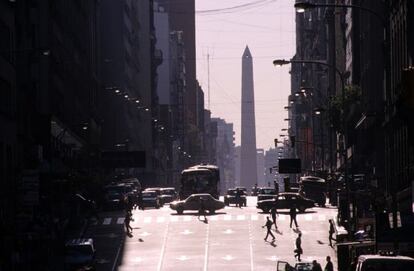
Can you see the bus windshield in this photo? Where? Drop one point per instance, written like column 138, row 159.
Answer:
column 200, row 179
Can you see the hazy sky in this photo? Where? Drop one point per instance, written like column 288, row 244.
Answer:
column 268, row 28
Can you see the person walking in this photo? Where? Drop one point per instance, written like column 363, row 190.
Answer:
column 268, row 225
column 238, row 198
column 329, row 264
column 202, row 209
column 316, row 266
column 127, row 221
column 298, row 251
column 292, row 214
column 331, row 232
column 274, row 213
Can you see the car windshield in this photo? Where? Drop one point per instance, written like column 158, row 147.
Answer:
column 269, row 191
column 115, row 190
column 231, row 192
column 149, row 194
column 387, row 264
column 168, row 192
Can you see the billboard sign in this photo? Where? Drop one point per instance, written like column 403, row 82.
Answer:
column 290, row 165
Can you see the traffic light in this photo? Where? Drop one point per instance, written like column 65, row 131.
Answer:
column 292, row 141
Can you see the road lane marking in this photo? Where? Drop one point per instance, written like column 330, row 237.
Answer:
column 273, row 258
column 228, row 231
column 251, row 246
column 228, row 258
column 183, row 258
column 160, row 219
column 227, row 217
column 173, row 218
column 144, row 234
column 241, row 217
column 188, row 218
column 163, row 248
column 206, row 250
column 107, row 221
column 147, row 219
column 120, row 220
column 322, row 217
column 186, row 232
column 214, row 218
column 282, row 218
column 254, row 217
column 308, row 217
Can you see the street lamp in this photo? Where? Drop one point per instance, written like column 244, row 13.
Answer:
column 281, row 62
column 301, row 7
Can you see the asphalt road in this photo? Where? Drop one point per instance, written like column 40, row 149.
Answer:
column 232, row 239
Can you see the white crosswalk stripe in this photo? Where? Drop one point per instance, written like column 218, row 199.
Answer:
column 160, row 219
column 188, row 218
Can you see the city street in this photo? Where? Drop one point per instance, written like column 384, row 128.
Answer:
column 230, row 239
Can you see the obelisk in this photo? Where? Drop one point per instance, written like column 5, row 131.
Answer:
column 248, row 156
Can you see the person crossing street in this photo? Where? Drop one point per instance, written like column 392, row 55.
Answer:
column 274, row 213
column 268, row 225
column 292, row 214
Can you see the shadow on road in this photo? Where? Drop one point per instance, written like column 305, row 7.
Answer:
column 196, row 214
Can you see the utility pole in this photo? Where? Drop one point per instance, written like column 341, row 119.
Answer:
column 208, row 80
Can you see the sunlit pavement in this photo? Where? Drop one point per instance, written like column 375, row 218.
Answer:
column 230, row 240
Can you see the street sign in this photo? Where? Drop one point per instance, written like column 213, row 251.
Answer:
column 290, row 165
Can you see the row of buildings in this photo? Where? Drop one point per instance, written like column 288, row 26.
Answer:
column 94, row 90
column 350, row 115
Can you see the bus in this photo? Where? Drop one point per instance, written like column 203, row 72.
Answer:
column 200, row 179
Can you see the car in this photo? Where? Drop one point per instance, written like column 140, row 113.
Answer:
column 193, row 203
column 383, row 262
column 168, row 194
column 230, row 197
column 286, row 201
column 115, row 196
column 300, row 266
column 134, row 182
column 79, row 254
column 150, row 198
column 266, row 193
column 255, row 189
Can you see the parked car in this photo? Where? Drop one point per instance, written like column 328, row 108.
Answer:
column 79, row 254
column 380, row 263
column 150, row 198
column 115, row 196
column 286, row 201
column 168, row 194
column 193, row 203
column 300, row 266
column 266, row 193
column 231, row 197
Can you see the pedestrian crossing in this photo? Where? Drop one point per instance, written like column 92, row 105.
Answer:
column 188, row 218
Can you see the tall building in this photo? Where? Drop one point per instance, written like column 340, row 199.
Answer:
column 225, row 153
column 248, row 163
column 261, row 168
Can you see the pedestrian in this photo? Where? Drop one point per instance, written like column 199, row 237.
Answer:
column 316, row 266
column 329, row 264
column 274, row 213
column 292, row 214
column 127, row 221
column 331, row 231
column 202, row 209
column 268, row 225
column 298, row 251
column 238, row 198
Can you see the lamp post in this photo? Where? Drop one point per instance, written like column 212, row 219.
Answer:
column 281, row 62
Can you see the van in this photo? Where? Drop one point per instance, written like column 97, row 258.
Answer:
column 384, row 263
